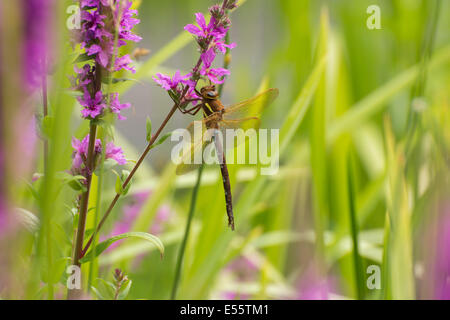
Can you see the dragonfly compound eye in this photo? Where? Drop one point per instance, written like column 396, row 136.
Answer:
column 211, row 94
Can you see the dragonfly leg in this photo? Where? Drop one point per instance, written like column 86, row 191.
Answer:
column 192, row 111
column 197, row 92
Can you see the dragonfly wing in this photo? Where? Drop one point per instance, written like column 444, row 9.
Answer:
column 191, row 156
column 250, row 107
column 235, row 132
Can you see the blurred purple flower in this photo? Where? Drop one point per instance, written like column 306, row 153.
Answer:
column 442, row 263
column 312, row 286
column 231, row 295
column 243, row 269
column 3, row 210
column 37, row 45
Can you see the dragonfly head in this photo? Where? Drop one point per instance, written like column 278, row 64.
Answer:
column 209, row 92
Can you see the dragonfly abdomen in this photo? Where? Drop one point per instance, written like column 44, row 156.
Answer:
column 225, row 180
column 227, row 189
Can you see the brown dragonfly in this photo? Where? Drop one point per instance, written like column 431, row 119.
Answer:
column 216, row 120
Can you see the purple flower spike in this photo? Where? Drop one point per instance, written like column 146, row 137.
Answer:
column 102, row 22
column 93, row 107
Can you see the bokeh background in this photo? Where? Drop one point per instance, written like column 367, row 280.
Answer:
column 362, row 189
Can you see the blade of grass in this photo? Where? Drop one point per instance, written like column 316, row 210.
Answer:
column 357, row 262
column 376, row 101
column 186, row 234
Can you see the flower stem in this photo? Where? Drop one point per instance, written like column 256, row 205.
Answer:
column 186, row 234
column 45, row 113
column 227, row 60
column 84, row 204
column 133, row 171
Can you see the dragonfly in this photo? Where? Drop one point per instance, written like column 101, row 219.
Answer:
column 217, row 118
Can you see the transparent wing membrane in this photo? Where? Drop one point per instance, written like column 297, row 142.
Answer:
column 250, row 107
column 229, row 128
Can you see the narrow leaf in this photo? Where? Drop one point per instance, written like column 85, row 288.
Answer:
column 102, row 246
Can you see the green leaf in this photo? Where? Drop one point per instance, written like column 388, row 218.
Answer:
column 119, row 188
column 84, row 57
column 377, row 99
column 72, row 181
column 118, row 80
column 108, row 164
column 106, row 289
column 161, row 140
column 148, row 127
column 102, row 246
column 124, row 290
column 120, row 180
column 57, row 270
column 97, row 293
column 301, row 106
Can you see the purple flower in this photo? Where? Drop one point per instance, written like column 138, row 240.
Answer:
column 97, row 38
column 94, row 3
column 85, row 76
column 124, row 63
column 168, row 83
column 209, row 37
column 93, row 107
column 115, row 153
column 313, row 286
column 222, row 46
column 81, row 150
column 127, row 23
column 116, row 106
column 212, row 29
column 215, row 75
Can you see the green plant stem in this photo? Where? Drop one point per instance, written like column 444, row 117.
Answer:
column 186, row 234
column 144, row 154
column 45, row 113
column 133, row 171
column 357, row 262
column 45, row 151
column 227, row 60
column 418, row 89
column 84, row 204
column 97, row 209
